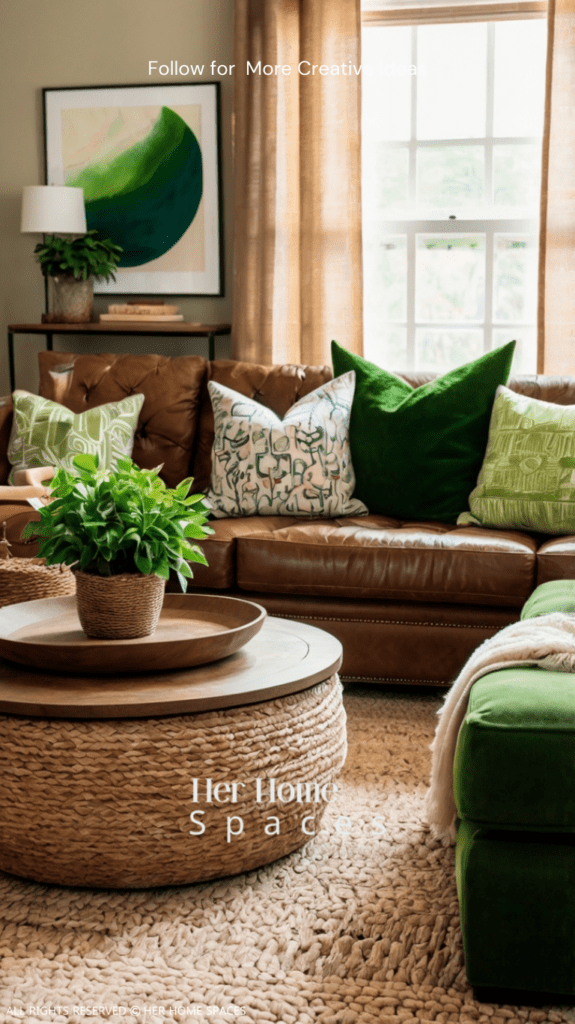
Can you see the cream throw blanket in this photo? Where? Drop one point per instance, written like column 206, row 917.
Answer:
column 547, row 641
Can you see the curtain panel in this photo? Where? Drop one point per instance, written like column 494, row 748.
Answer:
column 556, row 321
column 297, row 220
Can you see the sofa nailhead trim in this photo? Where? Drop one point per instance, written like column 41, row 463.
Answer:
column 393, row 679
column 388, row 622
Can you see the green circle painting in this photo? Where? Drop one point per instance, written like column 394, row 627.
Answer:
column 146, row 197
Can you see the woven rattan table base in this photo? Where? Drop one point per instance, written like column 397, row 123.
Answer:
column 107, row 803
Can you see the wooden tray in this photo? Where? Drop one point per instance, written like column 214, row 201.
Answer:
column 194, row 629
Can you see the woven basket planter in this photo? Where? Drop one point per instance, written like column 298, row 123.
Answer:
column 30, row 579
column 107, row 802
column 119, row 607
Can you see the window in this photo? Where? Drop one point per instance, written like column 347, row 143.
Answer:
column 451, row 155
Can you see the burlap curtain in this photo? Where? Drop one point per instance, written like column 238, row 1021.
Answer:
column 297, row 223
column 557, row 251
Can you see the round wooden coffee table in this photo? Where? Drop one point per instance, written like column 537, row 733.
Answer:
column 172, row 777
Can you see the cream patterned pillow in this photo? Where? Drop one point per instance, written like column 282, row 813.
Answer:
column 45, row 433
column 300, row 465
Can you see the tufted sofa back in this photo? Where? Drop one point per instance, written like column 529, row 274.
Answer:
column 168, row 420
column 176, row 425
column 277, row 387
column 558, row 390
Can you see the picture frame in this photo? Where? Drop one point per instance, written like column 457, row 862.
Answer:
column 149, row 160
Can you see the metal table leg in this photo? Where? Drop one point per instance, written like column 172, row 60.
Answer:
column 11, row 360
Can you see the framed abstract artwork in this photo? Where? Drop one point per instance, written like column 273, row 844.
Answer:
column 148, row 159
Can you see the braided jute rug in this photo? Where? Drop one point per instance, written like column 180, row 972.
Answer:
column 348, row 929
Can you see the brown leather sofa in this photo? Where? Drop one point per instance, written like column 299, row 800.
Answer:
column 408, row 600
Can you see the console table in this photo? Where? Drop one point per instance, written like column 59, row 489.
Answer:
column 155, row 330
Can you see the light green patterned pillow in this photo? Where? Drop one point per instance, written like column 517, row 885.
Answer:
column 527, row 480
column 298, row 466
column 45, row 433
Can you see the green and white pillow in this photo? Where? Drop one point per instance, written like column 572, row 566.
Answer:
column 301, row 465
column 527, row 480
column 45, row 433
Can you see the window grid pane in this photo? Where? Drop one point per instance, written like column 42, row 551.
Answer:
column 435, row 349
column 515, row 279
column 451, row 97
column 450, row 278
column 387, row 270
column 459, row 179
column 450, row 177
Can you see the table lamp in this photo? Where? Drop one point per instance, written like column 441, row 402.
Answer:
column 53, row 210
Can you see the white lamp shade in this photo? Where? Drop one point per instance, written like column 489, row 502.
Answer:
column 53, row 209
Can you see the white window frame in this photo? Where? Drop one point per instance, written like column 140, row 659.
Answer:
column 410, row 227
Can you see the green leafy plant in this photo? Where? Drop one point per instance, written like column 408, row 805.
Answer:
column 110, row 522
column 81, row 258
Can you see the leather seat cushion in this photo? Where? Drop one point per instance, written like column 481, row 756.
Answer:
column 556, row 560
column 220, row 549
column 168, row 419
column 515, row 760
column 377, row 557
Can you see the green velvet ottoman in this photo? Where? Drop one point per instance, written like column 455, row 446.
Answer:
column 514, row 784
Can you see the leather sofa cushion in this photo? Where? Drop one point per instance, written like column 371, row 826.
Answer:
column 277, row 387
column 220, row 549
column 556, row 560
column 168, row 420
column 377, row 557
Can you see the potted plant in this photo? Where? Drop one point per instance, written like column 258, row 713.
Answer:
column 72, row 265
column 122, row 531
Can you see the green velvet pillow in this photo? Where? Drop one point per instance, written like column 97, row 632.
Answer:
column 45, row 433
column 527, row 480
column 416, row 452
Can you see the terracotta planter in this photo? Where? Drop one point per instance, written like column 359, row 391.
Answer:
column 119, row 607
column 72, row 301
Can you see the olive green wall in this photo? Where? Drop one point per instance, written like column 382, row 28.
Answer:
column 53, row 43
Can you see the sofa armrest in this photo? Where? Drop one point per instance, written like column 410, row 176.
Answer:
column 16, row 494
column 33, row 477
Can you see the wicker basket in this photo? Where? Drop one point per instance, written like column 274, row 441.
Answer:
column 30, row 579
column 119, row 607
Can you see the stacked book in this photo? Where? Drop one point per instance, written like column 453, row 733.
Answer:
column 135, row 311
